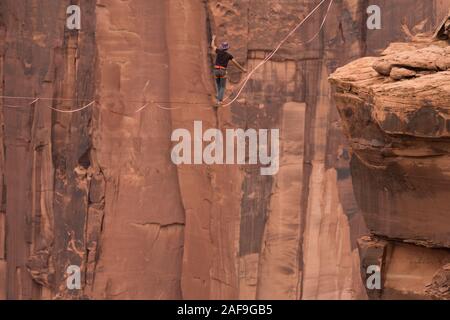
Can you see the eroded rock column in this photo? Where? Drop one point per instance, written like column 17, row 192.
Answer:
column 143, row 227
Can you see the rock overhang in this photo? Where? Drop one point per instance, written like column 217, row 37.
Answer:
column 395, row 111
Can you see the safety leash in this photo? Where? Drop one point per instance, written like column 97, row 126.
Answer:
column 246, row 79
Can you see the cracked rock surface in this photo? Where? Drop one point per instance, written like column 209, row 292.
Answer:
column 97, row 189
column 396, row 114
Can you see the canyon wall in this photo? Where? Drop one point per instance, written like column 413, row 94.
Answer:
column 308, row 253
column 97, row 188
column 395, row 111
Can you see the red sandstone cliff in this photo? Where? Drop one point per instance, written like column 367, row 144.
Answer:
column 98, row 189
column 395, row 111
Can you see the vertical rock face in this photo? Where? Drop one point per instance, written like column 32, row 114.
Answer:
column 45, row 156
column 97, row 188
column 143, row 227
column 395, row 112
column 306, row 254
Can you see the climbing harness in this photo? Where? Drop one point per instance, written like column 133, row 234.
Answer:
column 220, row 72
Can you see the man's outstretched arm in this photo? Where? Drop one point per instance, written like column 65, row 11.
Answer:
column 238, row 65
column 213, row 44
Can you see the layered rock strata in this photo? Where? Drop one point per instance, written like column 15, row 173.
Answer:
column 396, row 115
column 97, row 188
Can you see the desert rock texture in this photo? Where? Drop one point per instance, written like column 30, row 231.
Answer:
column 366, row 183
column 395, row 112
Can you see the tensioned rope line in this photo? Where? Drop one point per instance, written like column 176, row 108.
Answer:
column 152, row 102
column 158, row 103
column 72, row 111
column 246, row 79
column 86, row 100
column 50, row 107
